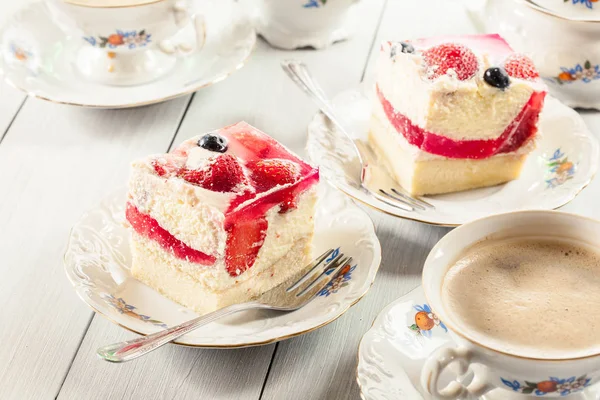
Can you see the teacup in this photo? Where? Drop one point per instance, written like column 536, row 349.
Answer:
column 493, row 368
column 565, row 50
column 128, row 42
column 290, row 24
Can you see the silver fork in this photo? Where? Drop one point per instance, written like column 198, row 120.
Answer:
column 394, row 196
column 290, row 295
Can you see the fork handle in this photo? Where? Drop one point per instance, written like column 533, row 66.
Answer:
column 131, row 349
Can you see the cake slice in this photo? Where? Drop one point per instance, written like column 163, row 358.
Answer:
column 454, row 113
column 222, row 218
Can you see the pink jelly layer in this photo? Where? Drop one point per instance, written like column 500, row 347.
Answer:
column 148, row 227
column 522, row 128
column 250, row 145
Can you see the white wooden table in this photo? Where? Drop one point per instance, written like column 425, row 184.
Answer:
column 57, row 161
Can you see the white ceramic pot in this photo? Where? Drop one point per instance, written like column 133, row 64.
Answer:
column 128, row 45
column 494, row 368
column 290, row 24
column 566, row 52
column 585, row 10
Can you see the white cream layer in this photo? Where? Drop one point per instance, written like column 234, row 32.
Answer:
column 460, row 110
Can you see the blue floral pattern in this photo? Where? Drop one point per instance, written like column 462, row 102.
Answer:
column 128, row 39
column 122, row 307
column 588, row 3
column 344, row 276
column 585, row 73
column 425, row 321
column 560, row 169
column 563, row 387
column 315, row 3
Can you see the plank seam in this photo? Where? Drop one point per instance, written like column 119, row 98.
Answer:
column 375, row 36
column 84, row 333
column 262, row 389
column 13, row 119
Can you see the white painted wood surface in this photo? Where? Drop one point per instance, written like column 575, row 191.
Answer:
column 57, row 161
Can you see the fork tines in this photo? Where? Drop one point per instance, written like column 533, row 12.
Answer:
column 322, row 271
column 405, row 198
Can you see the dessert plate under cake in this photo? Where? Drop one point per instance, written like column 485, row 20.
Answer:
column 98, row 261
column 564, row 162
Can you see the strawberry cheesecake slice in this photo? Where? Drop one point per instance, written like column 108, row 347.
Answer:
column 454, row 113
column 222, row 218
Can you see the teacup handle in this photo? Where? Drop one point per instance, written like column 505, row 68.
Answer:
column 438, row 361
column 183, row 17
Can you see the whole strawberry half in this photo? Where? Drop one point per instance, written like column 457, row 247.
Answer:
column 245, row 238
column 222, row 174
column 521, row 66
column 447, row 56
column 269, row 173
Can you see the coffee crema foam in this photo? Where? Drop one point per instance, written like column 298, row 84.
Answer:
column 532, row 297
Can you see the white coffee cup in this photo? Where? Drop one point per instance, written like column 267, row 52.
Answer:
column 493, row 368
column 128, row 43
column 290, row 24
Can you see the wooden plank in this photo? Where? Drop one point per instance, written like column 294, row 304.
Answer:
column 173, row 372
column 58, row 161
column 262, row 95
column 322, row 365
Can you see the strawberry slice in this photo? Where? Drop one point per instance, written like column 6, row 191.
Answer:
column 447, row 56
column 148, row 227
column 166, row 166
column 222, row 174
column 244, row 240
column 520, row 66
column 269, row 173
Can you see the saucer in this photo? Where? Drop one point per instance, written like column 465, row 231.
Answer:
column 392, row 353
column 39, row 58
column 563, row 164
column 98, row 258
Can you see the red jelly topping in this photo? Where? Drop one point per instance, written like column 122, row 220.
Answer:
column 275, row 183
column 148, row 227
column 514, row 136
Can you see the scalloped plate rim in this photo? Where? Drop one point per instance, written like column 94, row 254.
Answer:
column 82, row 290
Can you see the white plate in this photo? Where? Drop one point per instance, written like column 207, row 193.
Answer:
column 392, row 353
column 37, row 57
column 564, row 140
column 97, row 263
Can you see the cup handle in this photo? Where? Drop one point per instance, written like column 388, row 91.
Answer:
column 183, row 17
column 442, row 358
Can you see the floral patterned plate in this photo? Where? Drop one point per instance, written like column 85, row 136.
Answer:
column 392, row 353
column 97, row 263
column 564, row 162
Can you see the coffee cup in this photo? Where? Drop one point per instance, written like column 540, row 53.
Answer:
column 128, row 42
column 492, row 364
column 290, row 24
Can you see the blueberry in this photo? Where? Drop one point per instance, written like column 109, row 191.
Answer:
column 496, row 77
column 406, row 48
column 213, row 142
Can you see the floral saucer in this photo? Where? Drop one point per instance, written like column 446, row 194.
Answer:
column 392, row 353
column 98, row 258
column 564, row 162
column 37, row 57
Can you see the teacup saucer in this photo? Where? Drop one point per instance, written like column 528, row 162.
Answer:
column 39, row 58
column 98, row 258
column 564, row 162
column 392, row 353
